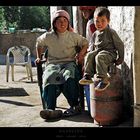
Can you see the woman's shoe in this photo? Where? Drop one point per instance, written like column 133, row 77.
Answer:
column 50, row 114
column 72, row 111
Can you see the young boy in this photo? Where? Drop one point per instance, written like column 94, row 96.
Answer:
column 108, row 49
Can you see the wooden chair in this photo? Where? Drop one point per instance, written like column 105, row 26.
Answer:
column 39, row 76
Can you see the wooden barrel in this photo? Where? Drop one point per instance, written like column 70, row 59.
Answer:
column 107, row 106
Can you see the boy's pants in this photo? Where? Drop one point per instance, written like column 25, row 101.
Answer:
column 98, row 62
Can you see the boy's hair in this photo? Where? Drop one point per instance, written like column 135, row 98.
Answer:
column 102, row 11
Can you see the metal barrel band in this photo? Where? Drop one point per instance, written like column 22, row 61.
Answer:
column 116, row 98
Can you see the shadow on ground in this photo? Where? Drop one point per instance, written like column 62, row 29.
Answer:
column 15, row 103
column 84, row 116
column 13, row 92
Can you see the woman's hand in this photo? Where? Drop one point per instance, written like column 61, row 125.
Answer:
column 81, row 52
column 118, row 61
column 80, row 58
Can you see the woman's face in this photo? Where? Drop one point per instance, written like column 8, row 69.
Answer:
column 61, row 24
column 87, row 13
column 101, row 22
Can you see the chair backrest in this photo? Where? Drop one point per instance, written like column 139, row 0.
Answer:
column 19, row 54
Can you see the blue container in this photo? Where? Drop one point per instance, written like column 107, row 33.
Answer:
column 11, row 30
column 87, row 94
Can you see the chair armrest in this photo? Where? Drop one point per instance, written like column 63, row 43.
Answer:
column 39, row 73
column 8, row 57
column 40, row 69
column 29, row 57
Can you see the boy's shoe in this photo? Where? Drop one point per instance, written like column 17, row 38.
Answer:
column 50, row 114
column 97, row 81
column 86, row 80
column 102, row 86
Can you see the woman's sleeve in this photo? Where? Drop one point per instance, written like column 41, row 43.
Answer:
column 40, row 42
column 81, row 41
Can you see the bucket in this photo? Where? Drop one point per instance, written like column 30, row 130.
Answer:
column 107, row 106
column 87, row 94
column 11, row 29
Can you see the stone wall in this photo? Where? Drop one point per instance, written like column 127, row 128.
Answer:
column 136, row 68
column 10, row 39
column 122, row 20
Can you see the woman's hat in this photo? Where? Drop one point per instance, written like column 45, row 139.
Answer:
column 61, row 13
column 87, row 8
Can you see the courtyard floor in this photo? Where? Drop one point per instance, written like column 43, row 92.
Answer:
column 20, row 104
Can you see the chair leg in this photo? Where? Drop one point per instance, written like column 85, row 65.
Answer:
column 7, row 72
column 30, row 71
column 82, row 100
column 81, row 89
column 12, row 70
column 27, row 71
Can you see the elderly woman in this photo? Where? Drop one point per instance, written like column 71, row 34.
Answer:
column 87, row 12
column 61, row 74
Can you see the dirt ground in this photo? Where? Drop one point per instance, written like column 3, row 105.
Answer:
column 20, row 104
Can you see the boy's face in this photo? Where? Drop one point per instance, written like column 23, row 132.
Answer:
column 101, row 22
